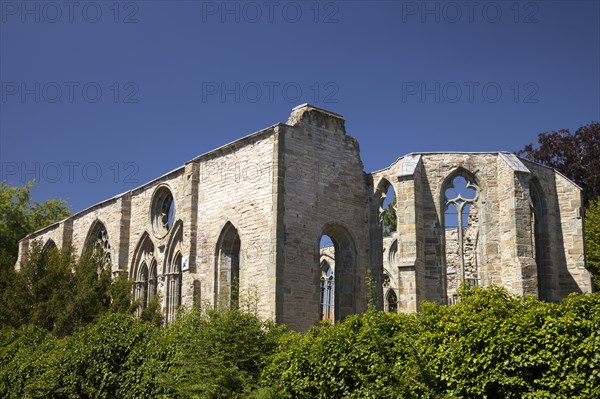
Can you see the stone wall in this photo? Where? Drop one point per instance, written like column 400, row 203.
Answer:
column 233, row 184
column 561, row 221
column 325, row 191
column 251, row 215
column 501, row 249
column 236, row 186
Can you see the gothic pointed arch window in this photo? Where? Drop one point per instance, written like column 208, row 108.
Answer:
column 338, row 245
column 97, row 243
column 391, row 300
column 144, row 272
column 227, row 268
column 49, row 245
column 141, row 286
column 327, row 290
column 461, row 231
column 386, row 197
column 47, row 250
column 173, row 287
column 539, row 239
column 152, row 281
column 173, row 276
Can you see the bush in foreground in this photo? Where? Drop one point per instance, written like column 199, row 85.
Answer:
column 490, row 345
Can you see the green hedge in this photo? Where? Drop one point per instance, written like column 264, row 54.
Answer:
column 490, row 345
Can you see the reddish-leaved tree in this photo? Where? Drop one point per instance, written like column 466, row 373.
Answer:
column 576, row 155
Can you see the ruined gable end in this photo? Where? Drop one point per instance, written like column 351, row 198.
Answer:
column 286, row 223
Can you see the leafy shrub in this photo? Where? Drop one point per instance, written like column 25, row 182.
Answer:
column 490, row 345
column 493, row 344
column 100, row 361
column 24, row 355
column 369, row 356
column 217, row 354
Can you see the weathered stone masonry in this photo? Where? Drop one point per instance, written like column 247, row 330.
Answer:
column 243, row 223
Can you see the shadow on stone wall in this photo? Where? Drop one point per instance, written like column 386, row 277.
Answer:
column 562, row 281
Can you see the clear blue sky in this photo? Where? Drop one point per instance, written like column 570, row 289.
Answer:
column 132, row 90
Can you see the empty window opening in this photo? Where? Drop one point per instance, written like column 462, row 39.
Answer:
column 390, row 298
column 172, row 272
column 228, row 267
column 49, row 246
column 152, row 282
column 98, row 245
column 144, row 273
column 141, row 288
column 327, row 280
column 145, row 286
column 539, row 240
column 49, row 250
column 391, row 301
column 461, row 221
column 387, row 209
column 336, row 264
column 173, row 287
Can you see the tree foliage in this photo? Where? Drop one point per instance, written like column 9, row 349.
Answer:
column 68, row 332
column 217, row 354
column 390, row 220
column 21, row 215
column 101, row 361
column 55, row 291
column 369, row 356
column 592, row 240
column 576, row 155
column 490, row 344
column 37, row 293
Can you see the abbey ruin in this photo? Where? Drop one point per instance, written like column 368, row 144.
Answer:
column 248, row 219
